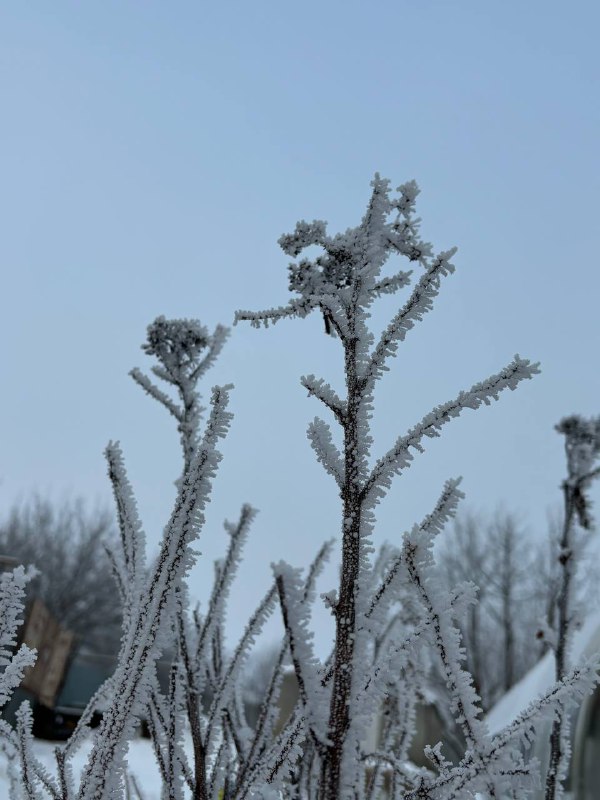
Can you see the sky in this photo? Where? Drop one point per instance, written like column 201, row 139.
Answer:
column 151, row 154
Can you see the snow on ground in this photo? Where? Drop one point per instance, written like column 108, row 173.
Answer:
column 140, row 759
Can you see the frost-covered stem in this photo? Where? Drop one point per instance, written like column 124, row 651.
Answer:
column 566, row 561
column 139, row 650
column 230, row 727
column 271, row 760
column 170, row 791
column 475, row 649
column 188, row 424
column 223, row 580
column 345, row 610
column 153, row 720
column 399, row 457
column 24, row 721
column 253, row 627
column 582, row 447
column 419, row 303
column 308, row 773
column 48, row 785
column 200, row 791
column 285, row 747
column 375, row 778
column 576, row 684
column 457, row 681
column 262, row 729
column 269, row 708
column 61, row 768
column 449, row 667
column 393, row 765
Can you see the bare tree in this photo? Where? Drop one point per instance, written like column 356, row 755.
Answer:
column 463, row 555
column 67, row 542
column 500, row 631
column 516, row 575
column 547, row 580
column 508, row 580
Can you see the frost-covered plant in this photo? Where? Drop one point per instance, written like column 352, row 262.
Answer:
column 229, row 757
column 150, row 597
column 12, row 664
column 339, row 698
column 12, row 601
column 391, row 613
column 184, row 350
column 68, row 539
column 582, row 448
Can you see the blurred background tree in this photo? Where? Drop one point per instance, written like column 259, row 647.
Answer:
column 67, row 543
column 516, row 574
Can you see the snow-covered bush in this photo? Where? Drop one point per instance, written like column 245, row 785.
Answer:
column 150, row 601
column 392, row 613
column 339, row 698
column 229, row 757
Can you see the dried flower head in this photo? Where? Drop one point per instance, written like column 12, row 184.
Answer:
column 177, row 343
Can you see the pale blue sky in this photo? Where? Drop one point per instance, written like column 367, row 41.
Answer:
column 152, row 153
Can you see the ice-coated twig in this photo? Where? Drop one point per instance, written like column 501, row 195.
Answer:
column 130, row 567
column 269, row 710
column 319, row 436
column 137, row 792
column 65, row 774
column 582, row 448
column 238, row 534
column 28, row 763
column 295, row 308
column 494, row 751
column 215, row 345
column 444, row 633
column 153, row 390
column 323, row 391
column 399, row 456
column 444, row 509
column 418, row 304
column 306, row 667
column 392, row 284
column 12, row 598
column 226, row 687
